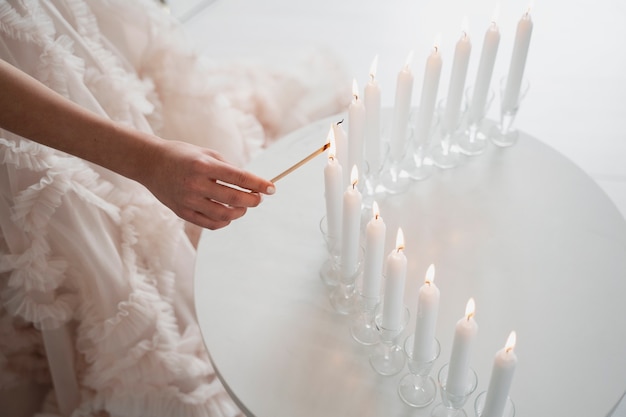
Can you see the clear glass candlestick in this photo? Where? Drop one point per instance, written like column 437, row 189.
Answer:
column 479, row 406
column 418, row 388
column 363, row 328
column 394, row 177
column 388, row 357
column 452, row 403
column 505, row 133
column 472, row 139
column 329, row 271
column 444, row 151
column 419, row 163
column 342, row 296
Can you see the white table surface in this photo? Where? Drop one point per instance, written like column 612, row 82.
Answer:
column 523, row 230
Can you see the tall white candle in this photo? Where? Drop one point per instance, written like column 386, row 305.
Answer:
column 457, row 81
column 333, row 188
column 395, row 277
column 428, row 98
column 372, row 117
column 356, row 129
column 518, row 63
column 501, row 378
column 401, row 110
column 485, row 72
column 374, row 254
column 426, row 318
column 459, row 366
column 351, row 223
column 341, row 144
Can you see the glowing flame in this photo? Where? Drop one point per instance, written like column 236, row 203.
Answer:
column 409, row 60
column 373, row 68
column 470, row 308
column 430, row 274
column 375, row 210
column 354, row 176
column 355, row 89
column 510, row 342
column 496, row 14
column 400, row 240
column 332, row 149
column 465, row 26
column 436, row 42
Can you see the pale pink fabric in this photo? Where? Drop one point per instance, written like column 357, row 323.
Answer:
column 96, row 274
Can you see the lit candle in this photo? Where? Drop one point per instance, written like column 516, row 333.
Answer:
column 351, row 222
column 401, row 110
column 485, row 71
column 372, row 118
column 428, row 98
column 518, row 62
column 341, row 146
column 459, row 366
column 356, row 129
column 501, row 379
column 374, row 254
column 395, row 276
column 457, row 81
column 333, row 188
column 426, row 318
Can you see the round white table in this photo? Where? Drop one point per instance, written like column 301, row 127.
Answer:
column 522, row 230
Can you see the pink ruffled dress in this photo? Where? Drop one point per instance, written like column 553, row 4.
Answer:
column 96, row 307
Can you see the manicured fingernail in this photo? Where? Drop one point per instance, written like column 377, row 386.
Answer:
column 270, row 190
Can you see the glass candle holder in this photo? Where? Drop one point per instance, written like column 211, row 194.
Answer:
column 394, row 177
column 418, row 388
column 505, row 133
column 472, row 139
column 342, row 296
column 444, row 151
column 388, row 357
column 452, row 403
column 363, row 328
column 479, row 407
column 419, row 163
column 330, row 269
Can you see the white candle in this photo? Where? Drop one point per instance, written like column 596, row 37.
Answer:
column 351, row 224
column 333, row 188
column 457, row 82
column 401, row 110
column 341, row 145
column 518, row 62
column 426, row 318
column 356, row 129
column 484, row 74
column 428, row 99
column 372, row 117
column 395, row 276
column 501, row 379
column 459, row 366
column 374, row 253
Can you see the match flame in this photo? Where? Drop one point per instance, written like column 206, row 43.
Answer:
column 400, row 240
column 510, row 342
column 430, row 274
column 332, row 149
column 375, row 210
column 470, row 308
column 354, row 176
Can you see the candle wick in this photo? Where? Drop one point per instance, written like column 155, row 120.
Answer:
column 469, row 316
column 427, row 282
column 376, row 217
column 340, row 122
column 508, row 349
column 372, row 77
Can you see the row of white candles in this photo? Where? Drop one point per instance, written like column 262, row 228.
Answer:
column 364, row 117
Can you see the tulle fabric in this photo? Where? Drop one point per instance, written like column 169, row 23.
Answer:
column 96, row 274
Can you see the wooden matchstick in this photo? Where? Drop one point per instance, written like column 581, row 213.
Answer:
column 299, row 164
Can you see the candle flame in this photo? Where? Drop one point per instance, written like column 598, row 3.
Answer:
column 470, row 308
column 375, row 210
column 355, row 89
column 373, row 68
column 354, row 176
column 531, row 4
column 510, row 342
column 430, row 274
column 409, row 60
column 400, row 240
column 464, row 26
column 496, row 14
column 332, row 149
column 436, row 42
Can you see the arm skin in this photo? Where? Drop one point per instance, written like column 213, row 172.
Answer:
column 190, row 180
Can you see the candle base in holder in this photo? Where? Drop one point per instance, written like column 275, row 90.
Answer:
column 472, row 141
column 342, row 296
column 329, row 271
column 421, row 165
column 388, row 358
column 505, row 134
column 417, row 388
column 445, row 154
column 479, row 407
column 452, row 403
column 363, row 328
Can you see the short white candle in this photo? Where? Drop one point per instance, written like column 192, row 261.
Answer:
column 374, row 253
column 333, row 189
column 356, row 129
column 515, row 76
column 501, row 378
column 372, row 120
column 485, row 71
column 341, row 144
column 351, row 225
column 428, row 98
column 401, row 110
column 426, row 318
column 459, row 366
column 460, row 63
column 395, row 277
